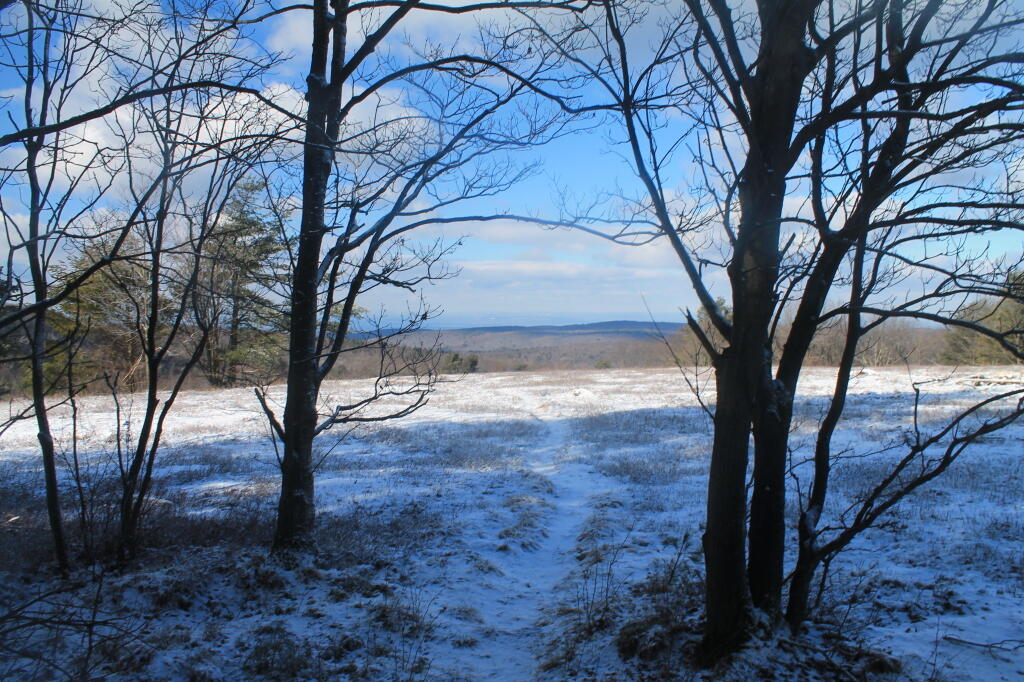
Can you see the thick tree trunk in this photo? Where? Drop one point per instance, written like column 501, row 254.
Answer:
column 740, row 376
column 727, row 605
column 296, row 512
column 296, row 507
column 768, row 500
column 746, row 392
column 740, row 372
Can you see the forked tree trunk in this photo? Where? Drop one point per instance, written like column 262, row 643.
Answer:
column 809, row 556
column 741, row 374
column 747, row 397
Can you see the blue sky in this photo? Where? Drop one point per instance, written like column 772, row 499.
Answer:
column 516, row 273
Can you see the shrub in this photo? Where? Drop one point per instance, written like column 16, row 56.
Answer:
column 276, row 653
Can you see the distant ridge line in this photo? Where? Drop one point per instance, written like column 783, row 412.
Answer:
column 599, row 327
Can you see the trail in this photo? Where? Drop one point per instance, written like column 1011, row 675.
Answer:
column 516, row 601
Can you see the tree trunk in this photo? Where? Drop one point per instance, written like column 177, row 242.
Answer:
column 800, row 583
column 45, row 437
column 768, row 500
column 131, row 512
column 747, row 394
column 296, row 508
column 231, row 377
column 296, row 511
column 727, row 605
column 810, row 556
column 741, row 373
column 38, row 352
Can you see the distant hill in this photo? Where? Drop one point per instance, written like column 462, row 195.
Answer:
column 506, row 338
column 632, row 344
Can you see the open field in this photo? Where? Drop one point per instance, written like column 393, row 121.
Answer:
column 522, row 526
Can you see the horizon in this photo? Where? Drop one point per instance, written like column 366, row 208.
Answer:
column 468, row 320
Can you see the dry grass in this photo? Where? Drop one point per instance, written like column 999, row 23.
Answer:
column 479, row 446
column 525, row 530
column 633, row 428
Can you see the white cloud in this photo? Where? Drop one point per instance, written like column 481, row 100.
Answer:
column 292, row 34
column 545, row 288
column 656, row 254
column 530, row 234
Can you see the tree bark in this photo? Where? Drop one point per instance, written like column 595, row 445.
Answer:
column 768, row 500
column 231, row 377
column 809, row 556
column 296, row 506
column 45, row 437
column 748, row 396
column 296, row 515
column 727, row 601
column 38, row 343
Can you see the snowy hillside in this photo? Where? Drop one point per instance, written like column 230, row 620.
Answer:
column 536, row 526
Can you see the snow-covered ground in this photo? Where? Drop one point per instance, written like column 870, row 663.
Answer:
column 532, row 525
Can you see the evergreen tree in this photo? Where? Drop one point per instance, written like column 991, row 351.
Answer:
column 233, row 301
column 100, row 319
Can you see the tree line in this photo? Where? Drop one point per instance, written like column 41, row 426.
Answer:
column 247, row 343
column 818, row 168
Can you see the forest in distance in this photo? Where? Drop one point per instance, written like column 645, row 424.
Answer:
column 611, row 345
column 234, row 443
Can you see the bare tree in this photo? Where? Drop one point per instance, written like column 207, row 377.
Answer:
column 58, row 178
column 69, row 57
column 833, row 149
column 394, row 140
column 196, row 146
column 83, row 65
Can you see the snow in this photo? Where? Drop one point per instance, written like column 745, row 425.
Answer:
column 513, row 526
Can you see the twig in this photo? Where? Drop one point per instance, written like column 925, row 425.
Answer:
column 1003, row 645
